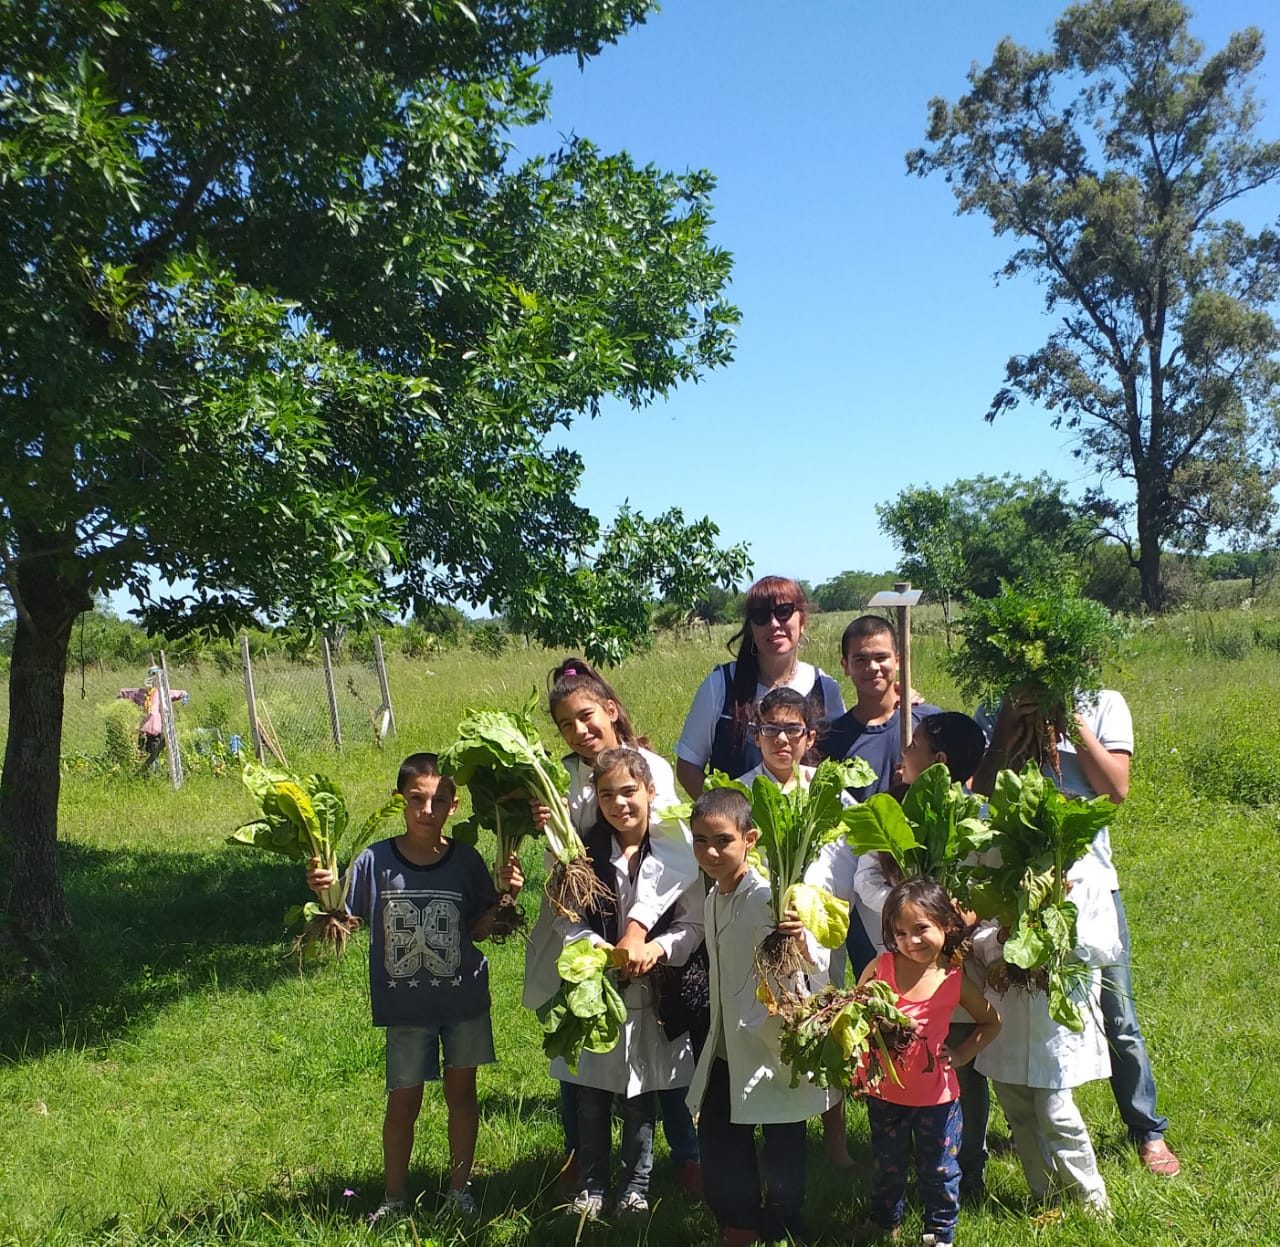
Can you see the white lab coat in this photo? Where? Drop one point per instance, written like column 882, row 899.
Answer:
column 759, row 1080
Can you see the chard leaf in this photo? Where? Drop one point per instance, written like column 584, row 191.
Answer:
column 1028, row 947
column 586, row 999
column 825, row 917
column 878, row 825
column 580, row 960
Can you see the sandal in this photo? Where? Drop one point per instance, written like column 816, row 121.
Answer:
column 1158, row 1157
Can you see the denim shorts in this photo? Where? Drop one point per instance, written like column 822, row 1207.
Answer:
column 413, row 1052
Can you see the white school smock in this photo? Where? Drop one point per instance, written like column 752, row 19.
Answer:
column 644, row 1059
column 699, row 732
column 663, row 876
column 760, row 1088
column 1031, row 1049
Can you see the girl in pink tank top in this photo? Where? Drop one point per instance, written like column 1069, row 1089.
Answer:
column 922, row 1115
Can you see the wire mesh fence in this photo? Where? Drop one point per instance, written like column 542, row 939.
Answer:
column 297, row 708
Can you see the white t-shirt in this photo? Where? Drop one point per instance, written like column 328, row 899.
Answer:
column 1109, row 718
column 699, row 731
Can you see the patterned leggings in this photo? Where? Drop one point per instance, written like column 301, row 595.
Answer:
column 935, row 1130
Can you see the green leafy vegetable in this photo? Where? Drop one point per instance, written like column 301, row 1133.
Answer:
column 1039, row 835
column 849, row 1039
column 305, row 817
column 587, row 1013
column 932, row 833
column 501, row 760
column 1044, row 641
column 826, row 917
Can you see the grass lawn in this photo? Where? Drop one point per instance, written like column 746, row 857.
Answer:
column 181, row 1083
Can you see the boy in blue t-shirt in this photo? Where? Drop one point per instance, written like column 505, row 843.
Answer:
column 426, row 900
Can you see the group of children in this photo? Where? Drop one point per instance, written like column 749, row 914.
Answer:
column 427, row 900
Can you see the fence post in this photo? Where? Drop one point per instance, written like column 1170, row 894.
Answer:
column 250, row 700
column 385, row 712
column 170, row 727
column 334, row 722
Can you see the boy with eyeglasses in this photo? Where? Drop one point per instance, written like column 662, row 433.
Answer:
column 869, row 657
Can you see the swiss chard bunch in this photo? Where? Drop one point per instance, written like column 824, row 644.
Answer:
column 305, row 817
column 587, row 1013
column 501, row 760
column 1046, row 642
column 932, row 832
column 1040, row 835
column 848, row 1039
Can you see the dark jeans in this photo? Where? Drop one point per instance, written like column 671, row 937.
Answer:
column 1132, row 1082
column 152, row 746
column 595, row 1134
column 731, row 1172
column 935, row 1131
column 975, row 1107
column 677, row 1125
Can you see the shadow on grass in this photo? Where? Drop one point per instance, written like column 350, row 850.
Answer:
column 150, row 927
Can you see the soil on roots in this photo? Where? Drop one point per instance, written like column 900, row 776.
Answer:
column 1004, row 977
column 779, row 959
column 325, row 933
column 574, row 890
column 509, row 920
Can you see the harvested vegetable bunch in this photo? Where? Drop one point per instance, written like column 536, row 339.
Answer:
column 794, row 826
column 1040, row 835
column 587, row 1012
column 931, row 833
column 847, row 1039
column 304, row 817
column 1042, row 642
column 501, row 760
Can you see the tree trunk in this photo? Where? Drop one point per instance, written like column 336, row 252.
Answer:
column 48, row 605
column 1149, row 552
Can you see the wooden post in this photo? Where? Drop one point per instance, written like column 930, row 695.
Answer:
column 250, row 700
column 334, row 722
column 170, row 726
column 386, row 715
column 903, row 598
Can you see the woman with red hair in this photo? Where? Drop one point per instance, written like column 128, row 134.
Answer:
column 717, row 729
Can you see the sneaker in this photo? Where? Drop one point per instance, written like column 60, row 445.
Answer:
column 631, row 1202
column 932, row 1240
column 689, row 1178
column 586, row 1205
column 461, row 1203
column 1159, row 1158
column 389, row 1210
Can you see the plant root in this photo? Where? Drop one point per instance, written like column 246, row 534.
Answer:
column 1004, row 977
column 509, row 920
column 779, row 960
column 325, row 933
column 574, row 890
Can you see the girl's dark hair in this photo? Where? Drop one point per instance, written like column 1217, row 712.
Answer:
column 930, row 897
column 576, row 675
column 726, row 803
column 418, row 764
column 959, row 737
column 626, row 759
column 787, row 699
column 767, row 591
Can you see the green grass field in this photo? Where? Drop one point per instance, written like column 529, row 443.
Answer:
column 181, row 1083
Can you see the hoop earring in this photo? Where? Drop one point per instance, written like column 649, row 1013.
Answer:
column 755, row 650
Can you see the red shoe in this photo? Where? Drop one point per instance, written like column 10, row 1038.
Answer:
column 689, row 1178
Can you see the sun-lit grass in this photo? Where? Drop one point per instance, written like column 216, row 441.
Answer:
column 181, row 1083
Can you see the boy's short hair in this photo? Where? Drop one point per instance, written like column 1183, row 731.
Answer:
column 724, row 803
column 786, row 699
column 959, row 737
column 866, row 626
column 416, row 765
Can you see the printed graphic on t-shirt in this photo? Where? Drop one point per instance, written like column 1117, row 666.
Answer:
column 423, row 931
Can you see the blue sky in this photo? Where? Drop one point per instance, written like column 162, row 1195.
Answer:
column 873, row 334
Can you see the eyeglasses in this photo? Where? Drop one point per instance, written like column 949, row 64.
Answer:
column 771, row 731
column 781, row 611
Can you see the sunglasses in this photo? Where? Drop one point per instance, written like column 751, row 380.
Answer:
column 771, row 731
column 781, row 611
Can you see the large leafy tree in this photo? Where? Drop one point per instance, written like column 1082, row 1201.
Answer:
column 287, row 324
column 1114, row 160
